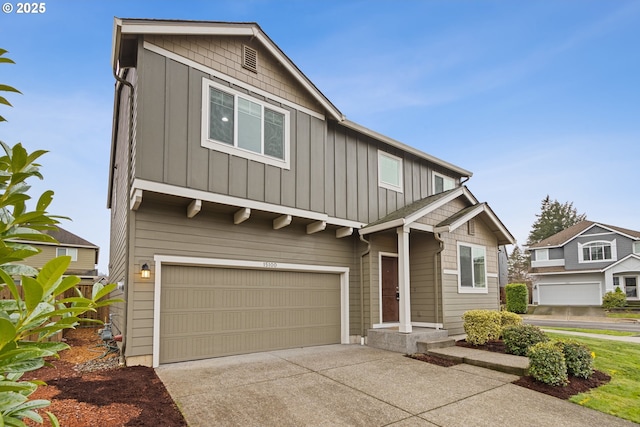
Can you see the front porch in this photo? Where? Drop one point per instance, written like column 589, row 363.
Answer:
column 392, row 339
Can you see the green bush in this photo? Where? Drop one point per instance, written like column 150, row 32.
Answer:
column 508, row 318
column 482, row 326
column 517, row 297
column 519, row 338
column 547, row 364
column 577, row 357
column 614, row 299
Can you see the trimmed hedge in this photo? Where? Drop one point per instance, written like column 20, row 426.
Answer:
column 509, row 319
column 482, row 326
column 516, row 296
column 578, row 358
column 547, row 364
column 518, row 339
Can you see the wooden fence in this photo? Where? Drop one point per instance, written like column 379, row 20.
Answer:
column 102, row 313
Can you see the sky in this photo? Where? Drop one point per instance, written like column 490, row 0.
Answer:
column 536, row 98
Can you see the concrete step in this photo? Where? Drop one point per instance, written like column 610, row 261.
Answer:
column 507, row 363
column 425, row 346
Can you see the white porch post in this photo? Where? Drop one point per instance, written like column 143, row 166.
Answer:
column 403, row 279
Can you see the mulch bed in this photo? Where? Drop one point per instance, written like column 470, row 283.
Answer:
column 575, row 386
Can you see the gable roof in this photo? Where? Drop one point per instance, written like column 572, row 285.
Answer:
column 564, row 236
column 67, row 238
column 124, row 26
column 412, row 212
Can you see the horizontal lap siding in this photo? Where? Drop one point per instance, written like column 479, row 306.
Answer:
column 163, row 229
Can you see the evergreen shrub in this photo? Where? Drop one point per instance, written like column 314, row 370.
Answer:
column 508, row 318
column 519, row 338
column 615, row 299
column 547, row 364
column 517, row 297
column 578, row 358
column 482, row 326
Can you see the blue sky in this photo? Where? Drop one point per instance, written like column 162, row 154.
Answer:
column 534, row 97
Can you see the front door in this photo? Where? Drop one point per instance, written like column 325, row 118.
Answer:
column 631, row 287
column 390, row 295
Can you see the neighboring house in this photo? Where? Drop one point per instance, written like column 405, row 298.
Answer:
column 84, row 255
column 579, row 265
column 262, row 218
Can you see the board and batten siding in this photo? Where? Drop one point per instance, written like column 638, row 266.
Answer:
column 164, row 229
column 333, row 169
column 421, row 266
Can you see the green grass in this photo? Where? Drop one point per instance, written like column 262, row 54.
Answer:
column 621, row 395
column 624, row 315
column 595, row 331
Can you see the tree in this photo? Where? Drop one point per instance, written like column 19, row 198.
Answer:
column 37, row 308
column 553, row 218
column 518, row 266
column 5, row 88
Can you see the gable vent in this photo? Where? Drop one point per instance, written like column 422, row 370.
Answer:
column 250, row 58
column 472, row 227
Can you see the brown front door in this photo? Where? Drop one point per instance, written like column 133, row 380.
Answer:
column 390, row 300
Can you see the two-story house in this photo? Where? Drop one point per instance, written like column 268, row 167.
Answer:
column 577, row 266
column 248, row 214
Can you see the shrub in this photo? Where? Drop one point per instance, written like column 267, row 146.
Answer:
column 508, row 318
column 482, row 326
column 518, row 339
column 547, row 364
column 614, row 299
column 516, row 297
column 577, row 357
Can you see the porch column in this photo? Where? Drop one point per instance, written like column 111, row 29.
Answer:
column 403, row 280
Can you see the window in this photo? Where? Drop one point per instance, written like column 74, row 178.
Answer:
column 472, row 274
column 542, row 254
column 442, row 183
column 237, row 124
column 596, row 251
column 389, row 171
column 631, row 287
column 636, row 248
column 72, row 252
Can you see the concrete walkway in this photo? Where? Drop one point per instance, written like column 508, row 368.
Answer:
column 352, row 385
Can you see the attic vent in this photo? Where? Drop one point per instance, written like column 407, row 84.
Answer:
column 472, row 227
column 250, row 58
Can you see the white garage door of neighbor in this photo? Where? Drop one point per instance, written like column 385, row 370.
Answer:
column 569, row 294
column 213, row 311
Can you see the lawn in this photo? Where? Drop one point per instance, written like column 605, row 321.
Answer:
column 594, row 331
column 624, row 315
column 621, row 395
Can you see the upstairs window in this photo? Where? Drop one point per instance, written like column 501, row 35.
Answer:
column 72, row 252
column 636, row 248
column 237, row 124
column 597, row 251
column 472, row 266
column 442, row 183
column 389, row 171
column 542, row 254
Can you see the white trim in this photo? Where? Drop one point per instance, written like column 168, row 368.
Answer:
column 161, row 260
column 542, row 254
column 451, row 272
column 473, row 289
column 194, row 208
column 612, row 244
column 492, row 275
column 462, row 220
column 635, row 248
column 421, row 227
column 551, row 273
column 548, row 263
column 196, row 65
column 390, row 186
column 192, row 193
column 380, row 255
column 416, row 324
column 404, row 279
column 235, row 150
column 581, row 234
column 241, row 215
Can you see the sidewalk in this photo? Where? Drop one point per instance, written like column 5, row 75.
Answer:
column 630, row 339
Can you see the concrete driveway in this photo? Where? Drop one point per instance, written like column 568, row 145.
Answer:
column 359, row 386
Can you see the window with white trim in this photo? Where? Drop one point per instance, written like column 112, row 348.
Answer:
column 542, row 254
column 389, row 171
column 442, row 183
column 472, row 268
column 597, row 251
column 636, row 248
column 238, row 124
column 72, row 252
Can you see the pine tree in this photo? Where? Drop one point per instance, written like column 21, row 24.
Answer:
column 553, row 218
column 518, row 266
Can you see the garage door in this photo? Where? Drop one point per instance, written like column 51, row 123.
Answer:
column 569, row 294
column 212, row 311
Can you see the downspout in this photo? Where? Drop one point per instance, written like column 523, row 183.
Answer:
column 436, row 274
column 117, row 100
column 362, row 255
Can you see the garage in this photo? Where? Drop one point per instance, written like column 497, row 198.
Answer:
column 220, row 311
column 569, row 294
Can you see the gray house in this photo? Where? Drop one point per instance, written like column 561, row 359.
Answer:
column 579, row 265
column 247, row 214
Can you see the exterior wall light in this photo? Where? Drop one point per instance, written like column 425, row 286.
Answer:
column 145, row 271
